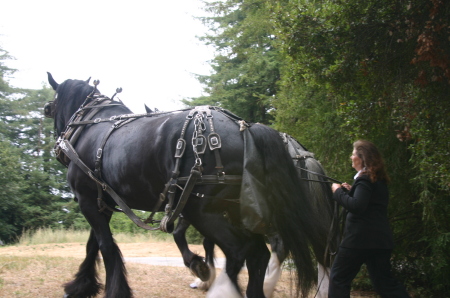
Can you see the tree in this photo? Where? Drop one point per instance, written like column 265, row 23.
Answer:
column 45, row 195
column 11, row 182
column 34, row 190
column 245, row 70
column 377, row 70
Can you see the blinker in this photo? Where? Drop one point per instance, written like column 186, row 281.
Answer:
column 48, row 111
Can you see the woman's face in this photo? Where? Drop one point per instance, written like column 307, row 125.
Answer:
column 356, row 161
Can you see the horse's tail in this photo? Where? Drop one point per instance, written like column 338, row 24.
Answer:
column 321, row 198
column 292, row 215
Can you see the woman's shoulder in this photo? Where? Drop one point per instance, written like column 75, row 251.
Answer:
column 365, row 180
column 363, row 177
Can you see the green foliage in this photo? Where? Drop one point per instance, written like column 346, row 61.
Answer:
column 48, row 235
column 34, row 192
column 362, row 281
column 383, row 75
column 11, row 182
column 327, row 72
column 5, row 72
column 346, row 70
column 193, row 236
column 246, row 67
column 120, row 223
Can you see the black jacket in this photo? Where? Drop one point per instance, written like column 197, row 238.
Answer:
column 367, row 224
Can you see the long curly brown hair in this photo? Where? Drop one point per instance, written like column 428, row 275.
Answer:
column 372, row 161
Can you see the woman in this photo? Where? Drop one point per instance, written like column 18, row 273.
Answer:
column 367, row 237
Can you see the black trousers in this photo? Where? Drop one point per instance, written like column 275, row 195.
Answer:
column 347, row 264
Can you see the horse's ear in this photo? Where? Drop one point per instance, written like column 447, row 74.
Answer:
column 147, row 109
column 52, row 81
column 87, row 81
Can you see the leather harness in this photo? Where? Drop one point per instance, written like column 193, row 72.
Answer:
column 66, row 153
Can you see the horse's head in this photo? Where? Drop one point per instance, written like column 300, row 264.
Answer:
column 69, row 96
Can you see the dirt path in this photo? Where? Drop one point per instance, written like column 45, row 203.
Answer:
column 77, row 250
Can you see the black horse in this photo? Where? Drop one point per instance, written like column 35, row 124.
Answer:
column 313, row 176
column 116, row 158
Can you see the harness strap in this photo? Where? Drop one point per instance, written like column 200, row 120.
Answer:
column 98, row 161
column 199, row 147
column 214, row 179
column 73, row 132
column 100, row 120
column 73, row 156
column 170, row 186
column 87, row 107
column 168, row 220
column 215, row 143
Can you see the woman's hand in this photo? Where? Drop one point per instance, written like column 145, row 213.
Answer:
column 335, row 186
column 346, row 185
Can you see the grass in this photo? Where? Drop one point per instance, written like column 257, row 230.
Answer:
column 38, row 276
column 48, row 235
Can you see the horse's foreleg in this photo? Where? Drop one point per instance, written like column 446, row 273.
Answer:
column 204, row 285
column 191, row 260
column 116, row 285
column 257, row 261
column 86, row 283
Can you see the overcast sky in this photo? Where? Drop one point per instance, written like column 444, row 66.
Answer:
column 149, row 48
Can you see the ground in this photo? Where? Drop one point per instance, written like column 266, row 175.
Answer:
column 40, row 271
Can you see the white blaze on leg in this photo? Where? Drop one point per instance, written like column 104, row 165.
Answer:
column 223, row 287
column 273, row 274
column 196, row 283
column 323, row 281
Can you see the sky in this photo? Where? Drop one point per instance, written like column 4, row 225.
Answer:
column 148, row 48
